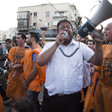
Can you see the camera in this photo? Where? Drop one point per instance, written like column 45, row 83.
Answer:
column 44, row 28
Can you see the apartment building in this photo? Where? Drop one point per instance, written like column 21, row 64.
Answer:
column 46, row 15
column 1, row 35
column 11, row 32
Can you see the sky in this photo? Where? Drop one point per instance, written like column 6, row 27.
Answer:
column 9, row 8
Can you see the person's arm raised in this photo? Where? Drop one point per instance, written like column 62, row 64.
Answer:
column 43, row 38
column 46, row 56
column 97, row 58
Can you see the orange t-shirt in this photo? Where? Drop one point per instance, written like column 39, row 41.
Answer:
column 1, row 104
column 103, row 93
column 36, row 84
column 14, row 88
column 105, row 71
column 89, row 100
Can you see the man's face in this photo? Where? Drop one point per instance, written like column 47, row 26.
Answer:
column 91, row 45
column 108, row 32
column 0, row 46
column 28, row 40
column 65, row 26
column 19, row 40
column 7, row 44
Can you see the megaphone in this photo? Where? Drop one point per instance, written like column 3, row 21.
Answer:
column 103, row 13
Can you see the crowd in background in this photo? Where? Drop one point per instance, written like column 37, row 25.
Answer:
column 76, row 73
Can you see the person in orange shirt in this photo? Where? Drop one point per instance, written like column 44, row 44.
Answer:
column 103, row 93
column 34, row 74
column 89, row 102
column 1, row 103
column 15, row 78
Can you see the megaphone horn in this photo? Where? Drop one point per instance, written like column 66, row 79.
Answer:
column 103, row 13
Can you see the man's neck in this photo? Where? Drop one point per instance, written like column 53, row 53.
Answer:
column 22, row 45
column 9, row 47
column 34, row 45
column 67, row 42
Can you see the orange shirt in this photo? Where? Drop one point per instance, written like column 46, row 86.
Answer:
column 105, row 71
column 1, row 104
column 89, row 100
column 103, row 93
column 14, row 88
column 36, row 84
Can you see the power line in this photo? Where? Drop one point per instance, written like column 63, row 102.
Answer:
column 52, row 5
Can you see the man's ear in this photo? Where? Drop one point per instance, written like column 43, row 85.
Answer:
column 24, row 40
column 32, row 39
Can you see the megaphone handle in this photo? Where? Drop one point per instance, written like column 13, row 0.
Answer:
column 98, row 34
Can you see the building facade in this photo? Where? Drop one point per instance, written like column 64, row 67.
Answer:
column 2, row 35
column 11, row 32
column 46, row 15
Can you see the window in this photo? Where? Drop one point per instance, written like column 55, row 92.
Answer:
column 47, row 24
column 47, row 14
column 61, row 13
column 22, row 24
column 22, row 15
column 34, row 24
column 35, row 14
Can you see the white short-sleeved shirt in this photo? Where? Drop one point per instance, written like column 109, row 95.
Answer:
column 64, row 75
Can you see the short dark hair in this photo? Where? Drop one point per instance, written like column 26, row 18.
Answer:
column 8, row 40
column 35, row 36
column 23, row 36
column 0, row 43
column 14, row 40
column 63, row 20
column 22, row 105
column 91, row 41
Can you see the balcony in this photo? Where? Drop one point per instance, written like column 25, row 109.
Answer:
column 23, row 15
column 23, row 25
column 60, row 14
column 22, row 29
column 56, row 20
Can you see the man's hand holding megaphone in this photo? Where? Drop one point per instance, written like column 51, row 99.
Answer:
column 98, row 35
column 103, row 13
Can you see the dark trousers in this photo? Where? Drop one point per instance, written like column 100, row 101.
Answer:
column 61, row 103
column 33, row 97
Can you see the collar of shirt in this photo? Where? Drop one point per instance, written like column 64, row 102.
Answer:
column 73, row 42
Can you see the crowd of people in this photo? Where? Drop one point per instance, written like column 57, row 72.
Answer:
column 76, row 74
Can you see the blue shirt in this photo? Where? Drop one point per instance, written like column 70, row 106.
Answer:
column 34, row 57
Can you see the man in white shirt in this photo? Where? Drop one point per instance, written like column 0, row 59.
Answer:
column 64, row 72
